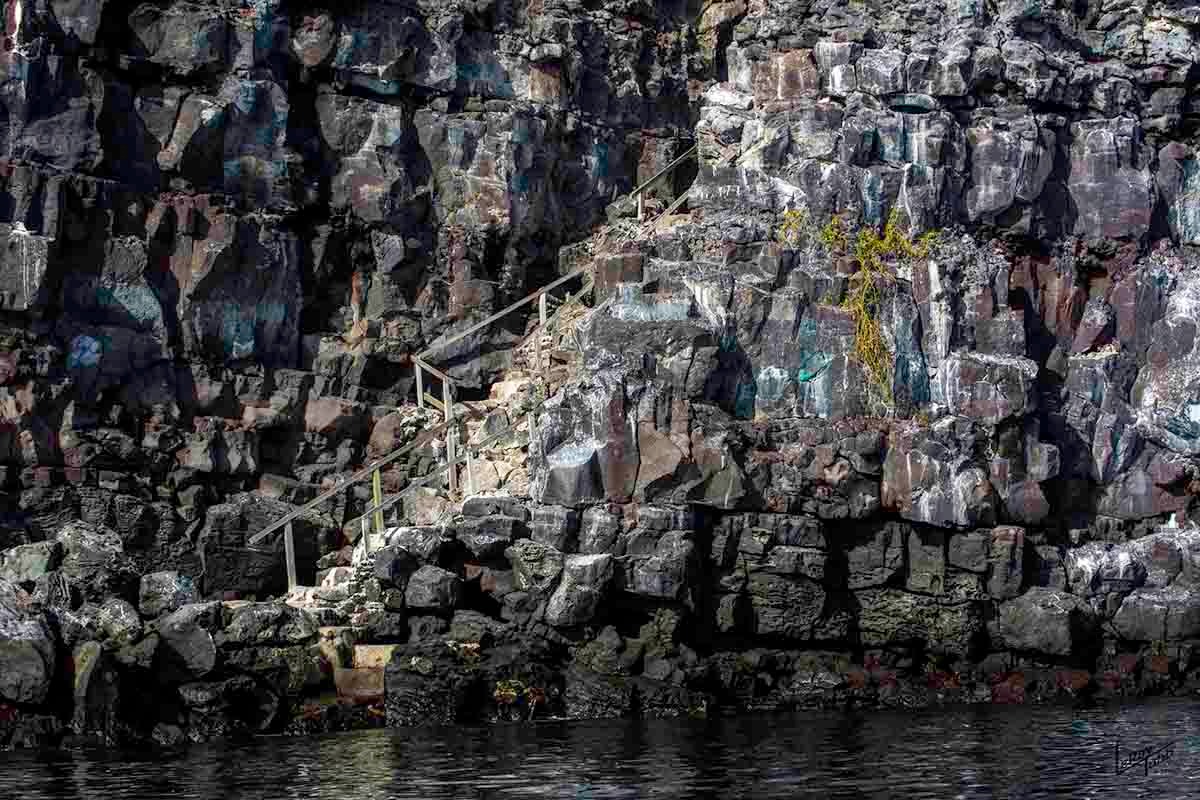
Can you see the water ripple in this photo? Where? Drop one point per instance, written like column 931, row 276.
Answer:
column 972, row 754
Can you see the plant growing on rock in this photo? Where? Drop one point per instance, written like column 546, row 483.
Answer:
column 834, row 235
column 795, row 229
column 876, row 254
column 508, row 692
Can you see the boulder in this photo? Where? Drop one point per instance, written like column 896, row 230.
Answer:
column 266, row 624
column 422, row 543
column 187, row 647
column 808, row 562
column 666, row 574
column 988, row 388
column 785, row 607
column 891, row 617
column 96, row 692
column 432, row 589
column 598, row 530
column 164, row 592
column 1048, row 621
column 27, row 651
column 487, row 537
column 555, row 526
column 1006, row 554
column 927, row 480
column 876, row 557
column 536, row 566
column 579, row 594
column 94, row 558
column 24, row 564
column 393, row 565
column 481, row 505
column 927, row 562
column 1153, row 615
column 119, row 623
column 969, row 550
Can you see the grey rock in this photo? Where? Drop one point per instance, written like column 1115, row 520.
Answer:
column 1149, row 615
column 393, row 565
column 785, row 607
column 432, row 588
column 1006, row 554
column 187, row 647
column 424, row 544
column 26, row 563
column 487, row 537
column 666, row 574
column 97, row 692
column 598, row 530
column 94, row 558
column 583, row 586
column 536, row 566
column 555, row 526
column 889, row 617
column 164, row 592
column 878, row 557
column 1047, row 621
column 808, row 562
column 266, row 624
column 486, row 506
column 27, row 651
column 969, row 551
column 926, row 562
column 119, row 623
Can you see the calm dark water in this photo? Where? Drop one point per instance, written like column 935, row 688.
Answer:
column 967, row 753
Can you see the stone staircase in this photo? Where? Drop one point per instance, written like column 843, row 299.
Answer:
column 359, row 623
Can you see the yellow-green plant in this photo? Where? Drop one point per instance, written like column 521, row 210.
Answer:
column 508, row 691
column 874, row 253
column 794, row 228
column 834, row 235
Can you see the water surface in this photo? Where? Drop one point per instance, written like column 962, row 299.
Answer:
column 981, row 752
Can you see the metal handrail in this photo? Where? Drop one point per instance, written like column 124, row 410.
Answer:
column 420, row 361
column 588, row 284
column 679, row 160
column 447, row 427
column 437, row 472
column 440, row 345
column 356, row 478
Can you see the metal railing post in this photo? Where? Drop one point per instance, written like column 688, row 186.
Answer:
column 420, row 384
column 377, row 496
column 537, row 352
column 289, row 554
column 470, row 471
column 448, row 403
column 543, row 366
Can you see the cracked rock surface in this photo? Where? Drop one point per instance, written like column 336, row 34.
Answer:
column 226, row 228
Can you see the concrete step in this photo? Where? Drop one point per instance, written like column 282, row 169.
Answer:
column 336, row 644
column 373, row 656
column 359, row 684
column 329, row 578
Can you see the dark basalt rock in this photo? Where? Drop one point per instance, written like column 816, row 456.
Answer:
column 164, row 592
column 223, row 237
column 27, row 649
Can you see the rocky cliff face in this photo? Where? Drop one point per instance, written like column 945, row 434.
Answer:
column 790, row 462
